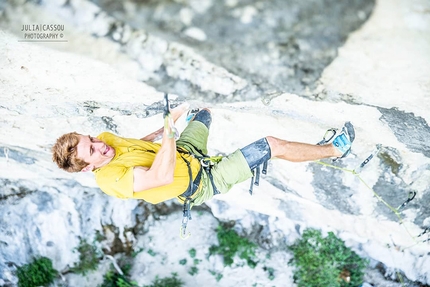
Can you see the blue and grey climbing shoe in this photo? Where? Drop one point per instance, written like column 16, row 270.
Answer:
column 191, row 114
column 200, row 115
column 342, row 139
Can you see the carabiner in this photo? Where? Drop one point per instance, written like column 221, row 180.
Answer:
column 426, row 230
column 411, row 196
column 183, row 233
column 325, row 140
column 203, row 162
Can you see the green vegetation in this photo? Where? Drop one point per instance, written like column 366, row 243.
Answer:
column 192, row 252
column 134, row 253
column 99, row 237
column 113, row 279
column 38, row 273
column 231, row 244
column 88, row 258
column 173, row 281
column 152, row 252
column 270, row 272
column 196, row 261
column 193, row 270
column 218, row 276
column 325, row 261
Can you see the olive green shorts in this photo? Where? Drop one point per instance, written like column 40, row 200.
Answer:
column 232, row 169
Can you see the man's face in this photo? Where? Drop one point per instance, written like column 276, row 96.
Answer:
column 94, row 151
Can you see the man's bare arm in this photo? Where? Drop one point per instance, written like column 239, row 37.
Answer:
column 176, row 113
column 152, row 136
column 162, row 169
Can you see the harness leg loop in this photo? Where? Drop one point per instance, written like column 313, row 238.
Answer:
column 264, row 171
column 252, row 183
column 257, row 176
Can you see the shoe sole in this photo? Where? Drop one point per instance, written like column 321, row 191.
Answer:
column 350, row 131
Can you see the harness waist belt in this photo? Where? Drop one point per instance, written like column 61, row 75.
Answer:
column 196, row 184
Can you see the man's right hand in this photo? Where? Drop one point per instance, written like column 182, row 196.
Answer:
column 175, row 114
column 169, row 127
column 178, row 111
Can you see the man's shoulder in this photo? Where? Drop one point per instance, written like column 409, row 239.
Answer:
column 113, row 139
column 105, row 136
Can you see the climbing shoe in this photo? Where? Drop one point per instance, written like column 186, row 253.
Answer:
column 202, row 115
column 341, row 139
column 191, row 114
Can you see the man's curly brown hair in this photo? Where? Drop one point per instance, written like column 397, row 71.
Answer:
column 64, row 153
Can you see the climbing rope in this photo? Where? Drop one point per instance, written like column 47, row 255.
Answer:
column 411, row 196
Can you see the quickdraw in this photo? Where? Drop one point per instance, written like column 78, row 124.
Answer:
column 168, row 120
column 368, row 159
column 168, row 123
column 186, row 216
column 255, row 180
column 411, row 195
column 206, row 163
column 426, row 230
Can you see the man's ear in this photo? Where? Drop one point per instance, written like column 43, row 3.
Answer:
column 89, row 167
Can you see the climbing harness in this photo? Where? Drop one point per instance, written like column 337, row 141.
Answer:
column 192, row 188
column 260, row 147
column 256, row 154
column 206, row 163
column 256, row 175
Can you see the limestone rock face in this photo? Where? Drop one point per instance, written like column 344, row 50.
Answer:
column 282, row 68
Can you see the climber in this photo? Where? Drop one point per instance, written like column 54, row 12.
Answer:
column 141, row 169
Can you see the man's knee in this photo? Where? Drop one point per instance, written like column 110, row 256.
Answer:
column 272, row 141
column 204, row 116
column 274, row 144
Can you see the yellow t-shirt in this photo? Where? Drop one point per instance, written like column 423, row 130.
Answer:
column 116, row 178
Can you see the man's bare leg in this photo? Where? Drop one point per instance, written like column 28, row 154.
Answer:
column 297, row 152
